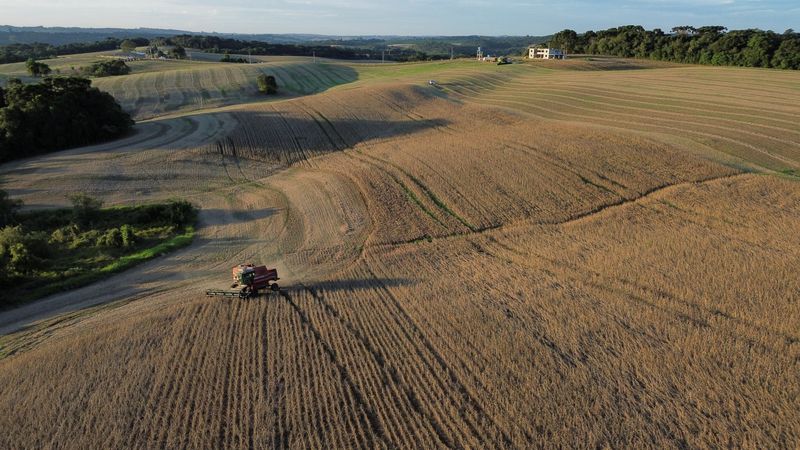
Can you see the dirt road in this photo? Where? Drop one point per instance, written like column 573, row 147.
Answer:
column 250, row 210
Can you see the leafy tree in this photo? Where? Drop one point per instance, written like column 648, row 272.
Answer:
column 57, row 113
column 84, row 208
column 36, row 68
column 759, row 50
column 787, row 56
column 684, row 30
column 267, row 84
column 153, row 51
column 227, row 58
column 107, row 68
column 20, row 252
column 111, row 238
column 711, row 44
column 177, row 52
column 567, row 40
column 181, row 213
column 714, row 30
column 127, row 45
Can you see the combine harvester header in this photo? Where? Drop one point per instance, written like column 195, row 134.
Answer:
column 253, row 279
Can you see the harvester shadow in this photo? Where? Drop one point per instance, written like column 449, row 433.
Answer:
column 356, row 284
column 362, row 284
column 219, row 216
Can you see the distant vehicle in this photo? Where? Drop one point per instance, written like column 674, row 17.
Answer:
column 433, row 82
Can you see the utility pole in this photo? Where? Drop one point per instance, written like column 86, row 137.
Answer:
column 383, row 56
column 451, row 53
column 249, row 56
column 314, row 56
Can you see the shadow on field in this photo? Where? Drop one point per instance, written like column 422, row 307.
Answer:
column 291, row 139
column 218, row 216
column 359, row 284
column 319, row 289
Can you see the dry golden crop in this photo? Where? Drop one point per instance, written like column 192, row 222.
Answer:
column 524, row 257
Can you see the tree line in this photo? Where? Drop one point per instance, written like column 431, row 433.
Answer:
column 713, row 45
column 55, row 114
column 218, row 44
column 330, row 49
column 22, row 52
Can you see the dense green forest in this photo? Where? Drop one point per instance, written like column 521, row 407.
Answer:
column 685, row 44
column 54, row 114
column 23, row 52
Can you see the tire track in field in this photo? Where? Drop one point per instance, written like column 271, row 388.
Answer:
column 578, row 274
column 223, row 383
column 280, row 425
column 630, row 125
column 618, row 109
column 158, row 424
column 439, row 204
column 468, row 398
column 647, row 193
column 190, row 420
column 176, row 401
column 502, row 97
column 380, row 360
column 408, row 192
column 578, row 216
column 303, row 158
column 369, row 419
column 680, row 105
column 443, row 207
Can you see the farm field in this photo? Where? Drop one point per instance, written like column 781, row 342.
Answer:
column 204, row 85
column 523, row 256
column 158, row 87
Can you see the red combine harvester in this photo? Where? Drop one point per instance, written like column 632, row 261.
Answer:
column 252, row 279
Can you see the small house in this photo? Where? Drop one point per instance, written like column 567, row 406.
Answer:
column 545, row 53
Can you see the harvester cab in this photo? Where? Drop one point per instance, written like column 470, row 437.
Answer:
column 251, row 280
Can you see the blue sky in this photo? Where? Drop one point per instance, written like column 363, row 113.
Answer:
column 414, row 17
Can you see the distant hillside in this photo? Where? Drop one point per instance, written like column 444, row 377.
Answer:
column 69, row 35
column 430, row 45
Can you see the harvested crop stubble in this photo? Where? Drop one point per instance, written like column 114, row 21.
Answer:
column 736, row 112
column 204, row 85
column 458, row 272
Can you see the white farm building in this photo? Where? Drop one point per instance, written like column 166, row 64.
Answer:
column 545, row 53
